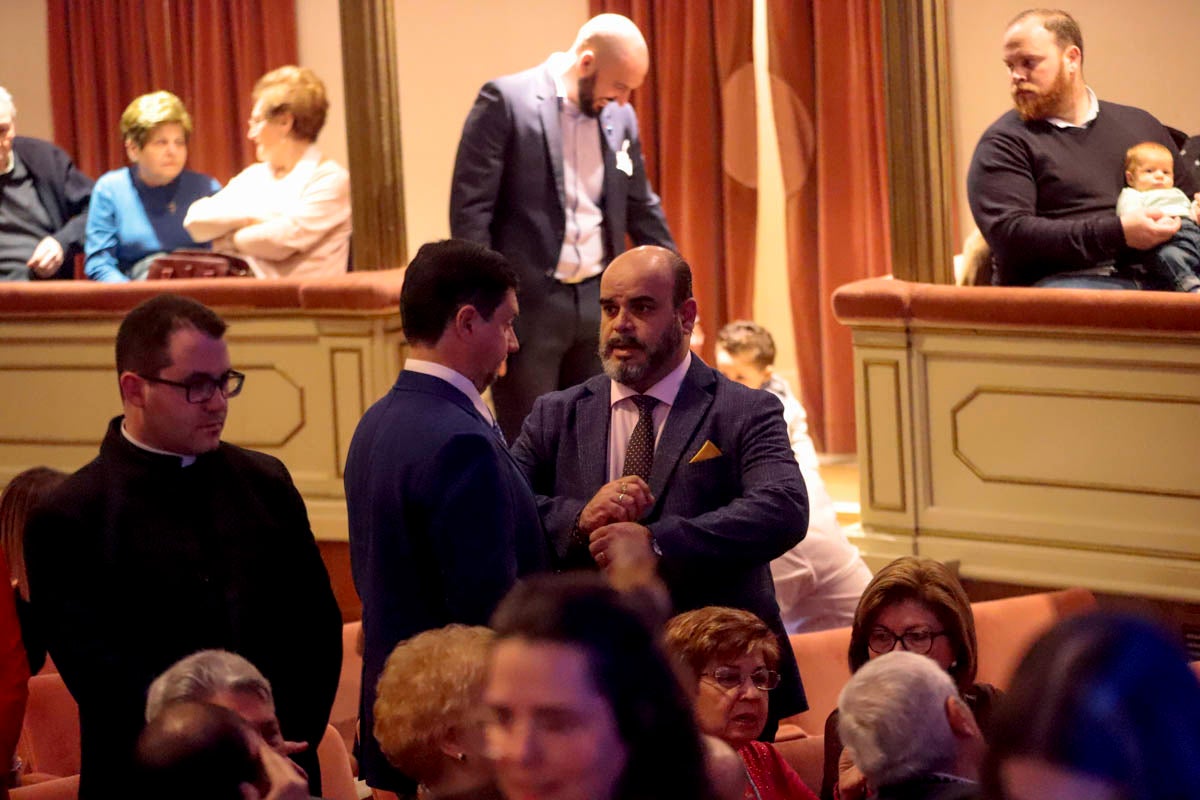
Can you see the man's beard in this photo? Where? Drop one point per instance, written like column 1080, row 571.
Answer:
column 1043, row 105
column 586, row 89
column 658, row 354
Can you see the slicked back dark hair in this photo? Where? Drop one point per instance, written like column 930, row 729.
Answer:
column 628, row 667
column 445, row 276
column 144, row 335
column 1060, row 23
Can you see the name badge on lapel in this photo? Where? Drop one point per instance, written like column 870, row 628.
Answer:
column 624, row 162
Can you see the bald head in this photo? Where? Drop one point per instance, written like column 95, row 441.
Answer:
column 195, row 750
column 609, row 60
column 613, row 36
column 647, row 313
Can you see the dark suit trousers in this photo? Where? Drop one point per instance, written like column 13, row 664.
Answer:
column 559, row 332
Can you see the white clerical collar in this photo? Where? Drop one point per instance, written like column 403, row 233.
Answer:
column 1093, row 112
column 664, row 391
column 455, row 379
column 184, row 460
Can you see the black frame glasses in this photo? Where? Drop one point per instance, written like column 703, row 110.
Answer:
column 201, row 388
column 729, row 678
column 918, row 640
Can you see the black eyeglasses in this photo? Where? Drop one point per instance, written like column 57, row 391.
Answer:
column 201, row 388
column 917, row 641
column 732, row 677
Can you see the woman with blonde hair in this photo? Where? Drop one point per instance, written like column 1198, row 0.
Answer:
column 288, row 214
column 428, row 714
column 137, row 211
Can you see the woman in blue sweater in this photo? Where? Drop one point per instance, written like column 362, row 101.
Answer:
column 137, row 211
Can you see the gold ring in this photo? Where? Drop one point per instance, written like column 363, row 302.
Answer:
column 621, row 498
column 622, row 487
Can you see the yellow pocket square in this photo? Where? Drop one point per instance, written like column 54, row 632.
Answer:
column 709, row 450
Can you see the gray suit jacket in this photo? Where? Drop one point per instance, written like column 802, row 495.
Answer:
column 507, row 190
column 718, row 521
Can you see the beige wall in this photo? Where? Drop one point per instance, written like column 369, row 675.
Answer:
column 318, row 29
column 25, row 66
column 1142, row 55
column 447, row 50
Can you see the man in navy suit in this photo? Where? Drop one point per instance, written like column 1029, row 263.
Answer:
column 442, row 522
column 664, row 453
column 549, row 172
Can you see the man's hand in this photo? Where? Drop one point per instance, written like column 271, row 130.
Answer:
column 852, row 784
column 622, row 545
column 47, row 257
column 1147, row 228
column 623, row 500
column 284, row 781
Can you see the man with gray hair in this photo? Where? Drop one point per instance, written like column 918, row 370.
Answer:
column 43, row 204
column 223, row 679
column 907, row 729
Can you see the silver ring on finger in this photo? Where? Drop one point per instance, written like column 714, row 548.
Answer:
column 621, row 498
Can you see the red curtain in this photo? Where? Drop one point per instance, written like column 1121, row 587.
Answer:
column 827, row 64
column 696, row 114
column 697, row 118
column 208, row 52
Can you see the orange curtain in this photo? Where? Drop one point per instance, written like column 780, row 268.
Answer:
column 827, row 82
column 209, row 53
column 696, row 115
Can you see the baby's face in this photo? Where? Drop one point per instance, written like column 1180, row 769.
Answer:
column 1152, row 171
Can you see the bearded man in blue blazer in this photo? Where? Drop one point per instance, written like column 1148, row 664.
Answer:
column 665, row 454
column 442, row 522
column 549, row 172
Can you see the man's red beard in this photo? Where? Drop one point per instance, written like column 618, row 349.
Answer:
column 1033, row 104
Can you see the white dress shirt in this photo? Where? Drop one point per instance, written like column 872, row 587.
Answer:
column 582, row 254
column 455, row 379
column 305, row 218
column 624, row 414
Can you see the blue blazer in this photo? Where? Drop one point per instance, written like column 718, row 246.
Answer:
column 718, row 521
column 442, row 523
column 507, row 190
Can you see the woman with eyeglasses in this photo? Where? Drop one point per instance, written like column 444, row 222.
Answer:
column 289, row 213
column 918, row 605
column 733, row 657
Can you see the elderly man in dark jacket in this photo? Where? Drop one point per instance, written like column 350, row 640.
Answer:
column 43, row 204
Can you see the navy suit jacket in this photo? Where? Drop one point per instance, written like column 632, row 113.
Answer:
column 507, row 191
column 719, row 522
column 64, row 191
column 442, row 523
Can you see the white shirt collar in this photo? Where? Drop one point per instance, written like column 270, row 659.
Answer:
column 558, row 64
column 185, row 460
column 1093, row 112
column 664, row 391
column 455, row 379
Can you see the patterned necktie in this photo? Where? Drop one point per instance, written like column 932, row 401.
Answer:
column 499, row 432
column 639, row 454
